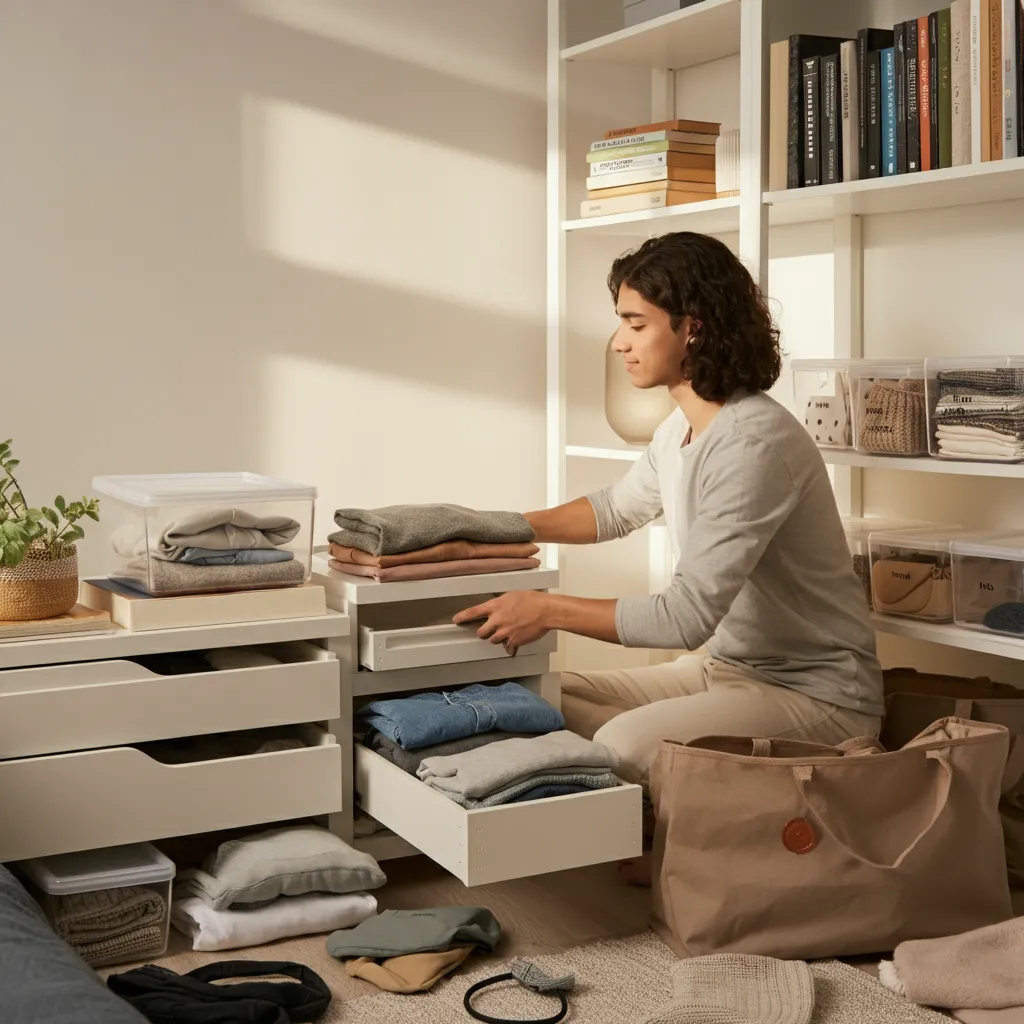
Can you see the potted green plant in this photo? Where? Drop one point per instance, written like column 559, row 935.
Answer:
column 38, row 557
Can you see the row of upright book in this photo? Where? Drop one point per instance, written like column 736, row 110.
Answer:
column 945, row 89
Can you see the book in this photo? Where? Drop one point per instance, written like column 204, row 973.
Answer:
column 778, row 114
column 981, row 140
column 831, row 126
column 646, row 149
column 850, row 113
column 945, row 91
column 80, row 621
column 139, row 612
column 995, row 79
column 811, row 77
column 695, row 179
column 874, row 123
column 694, row 138
column 868, row 39
column 900, row 86
column 675, row 125
column 924, row 92
column 960, row 80
column 636, row 201
column 888, row 106
column 801, row 47
column 933, row 45
column 1010, row 78
column 913, row 101
column 1019, row 83
column 701, row 191
column 653, row 160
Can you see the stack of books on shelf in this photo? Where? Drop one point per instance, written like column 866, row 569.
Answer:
column 945, row 89
column 650, row 166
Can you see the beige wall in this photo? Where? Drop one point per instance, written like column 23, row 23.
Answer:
column 299, row 237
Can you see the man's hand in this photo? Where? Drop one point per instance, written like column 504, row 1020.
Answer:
column 514, row 619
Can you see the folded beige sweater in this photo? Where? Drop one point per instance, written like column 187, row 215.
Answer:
column 449, row 551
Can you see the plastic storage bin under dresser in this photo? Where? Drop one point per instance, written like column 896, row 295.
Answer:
column 911, row 572
column 821, row 394
column 111, row 906
column 976, row 408
column 988, row 584
column 208, row 532
column 888, row 402
column 858, row 530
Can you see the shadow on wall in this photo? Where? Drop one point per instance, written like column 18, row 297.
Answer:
column 209, row 213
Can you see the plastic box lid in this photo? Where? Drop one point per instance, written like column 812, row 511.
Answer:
column 930, row 538
column 156, row 490
column 860, row 527
column 1004, row 547
column 908, row 368
column 110, row 868
column 933, row 363
column 814, row 365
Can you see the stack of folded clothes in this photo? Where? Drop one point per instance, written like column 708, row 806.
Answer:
column 980, row 414
column 487, row 745
column 110, row 925
column 273, row 885
column 419, row 542
column 216, row 549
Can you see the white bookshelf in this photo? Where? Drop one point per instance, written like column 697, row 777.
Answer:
column 714, row 217
column 607, row 454
column 951, row 636
column 951, row 467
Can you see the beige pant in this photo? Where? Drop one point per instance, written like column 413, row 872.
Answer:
column 633, row 710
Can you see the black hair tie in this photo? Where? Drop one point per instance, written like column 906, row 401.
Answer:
column 530, row 977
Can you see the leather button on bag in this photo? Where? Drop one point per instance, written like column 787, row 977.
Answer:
column 799, row 836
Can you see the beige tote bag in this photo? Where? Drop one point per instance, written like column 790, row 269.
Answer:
column 798, row 851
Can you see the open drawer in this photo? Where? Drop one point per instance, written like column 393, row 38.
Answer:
column 108, row 703
column 384, row 650
column 120, row 795
column 498, row 843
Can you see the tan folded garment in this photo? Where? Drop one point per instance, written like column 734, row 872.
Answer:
column 436, row 570
column 136, row 945
column 85, row 917
column 415, row 972
column 451, row 551
column 1010, row 1015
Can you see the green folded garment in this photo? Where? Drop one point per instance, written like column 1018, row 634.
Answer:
column 398, row 932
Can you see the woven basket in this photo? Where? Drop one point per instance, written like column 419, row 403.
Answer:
column 38, row 588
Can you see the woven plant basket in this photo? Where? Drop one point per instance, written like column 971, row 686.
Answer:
column 38, row 588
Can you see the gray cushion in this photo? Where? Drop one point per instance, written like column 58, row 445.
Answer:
column 42, row 981
column 257, row 869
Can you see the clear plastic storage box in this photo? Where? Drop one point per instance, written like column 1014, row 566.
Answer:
column 911, row 572
column 203, row 533
column 976, row 407
column 111, row 906
column 888, row 402
column 858, row 530
column 988, row 584
column 821, row 395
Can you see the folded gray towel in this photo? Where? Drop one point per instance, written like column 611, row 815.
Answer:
column 578, row 779
column 409, row 760
column 399, row 528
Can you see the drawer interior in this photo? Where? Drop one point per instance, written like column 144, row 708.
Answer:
column 245, row 743
column 415, row 614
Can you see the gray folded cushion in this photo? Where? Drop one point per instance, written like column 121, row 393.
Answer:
column 256, row 870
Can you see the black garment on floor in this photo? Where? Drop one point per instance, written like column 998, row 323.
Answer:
column 164, row 997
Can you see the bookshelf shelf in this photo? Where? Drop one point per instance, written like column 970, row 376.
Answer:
column 608, row 454
column 705, row 32
column 951, row 636
column 996, row 181
column 860, row 460
column 714, row 217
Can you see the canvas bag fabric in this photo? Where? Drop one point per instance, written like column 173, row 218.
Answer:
column 908, row 713
column 800, row 851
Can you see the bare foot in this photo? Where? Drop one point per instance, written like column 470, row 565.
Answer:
column 636, row 871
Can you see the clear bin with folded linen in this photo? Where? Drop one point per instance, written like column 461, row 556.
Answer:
column 200, row 533
column 976, row 408
column 988, row 584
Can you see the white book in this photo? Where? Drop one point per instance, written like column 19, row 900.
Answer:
column 630, row 163
column 664, row 135
column 1010, row 126
column 624, row 204
column 850, row 100
column 978, row 87
column 960, row 79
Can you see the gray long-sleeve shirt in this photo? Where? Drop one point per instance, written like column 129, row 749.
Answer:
column 763, row 572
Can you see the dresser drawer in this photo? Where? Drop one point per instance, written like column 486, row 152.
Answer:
column 108, row 703
column 120, row 795
column 385, row 650
column 498, row 843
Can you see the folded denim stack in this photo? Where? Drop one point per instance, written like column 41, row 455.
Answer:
column 980, row 414
column 274, row 885
column 418, row 542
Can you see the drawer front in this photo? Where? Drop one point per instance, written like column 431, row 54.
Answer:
column 383, row 650
column 110, row 797
column 102, row 704
column 499, row 843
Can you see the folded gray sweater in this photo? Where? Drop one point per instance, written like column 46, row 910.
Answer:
column 410, row 760
column 401, row 932
column 398, row 528
column 476, row 773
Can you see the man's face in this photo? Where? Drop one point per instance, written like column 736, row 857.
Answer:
column 652, row 351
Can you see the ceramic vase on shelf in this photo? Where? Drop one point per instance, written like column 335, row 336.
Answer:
column 633, row 413
column 38, row 587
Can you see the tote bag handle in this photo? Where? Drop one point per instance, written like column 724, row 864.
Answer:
column 803, row 773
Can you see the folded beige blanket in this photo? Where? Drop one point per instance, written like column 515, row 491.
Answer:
column 112, row 924
column 135, row 945
column 435, row 570
column 162, row 577
column 981, row 969
column 449, row 551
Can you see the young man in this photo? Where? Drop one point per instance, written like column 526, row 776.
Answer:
column 763, row 580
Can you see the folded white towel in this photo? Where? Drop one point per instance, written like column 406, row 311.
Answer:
column 212, row 930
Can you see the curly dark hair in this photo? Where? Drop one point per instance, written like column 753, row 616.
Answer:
column 735, row 344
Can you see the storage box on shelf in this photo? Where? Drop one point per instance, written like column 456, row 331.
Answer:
column 207, row 532
column 858, row 529
column 821, row 391
column 988, row 584
column 976, row 408
column 887, row 398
